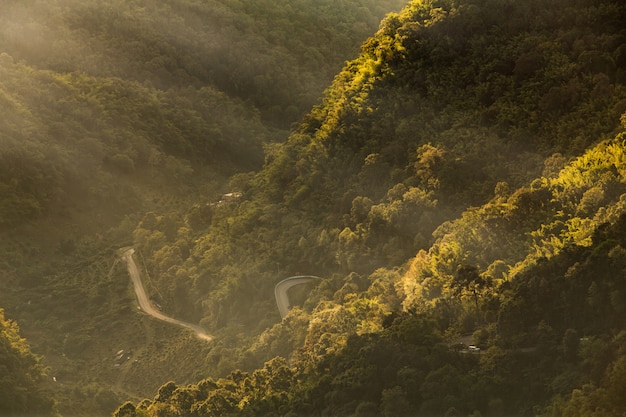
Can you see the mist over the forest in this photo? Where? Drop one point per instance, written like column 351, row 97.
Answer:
column 453, row 171
column 279, row 56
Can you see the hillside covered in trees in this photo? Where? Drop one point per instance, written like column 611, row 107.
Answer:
column 460, row 182
column 111, row 109
column 22, row 373
column 464, row 175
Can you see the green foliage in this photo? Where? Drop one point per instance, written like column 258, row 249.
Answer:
column 22, row 375
column 464, row 174
column 111, row 110
column 448, row 102
column 552, row 342
column 65, row 137
column 279, row 57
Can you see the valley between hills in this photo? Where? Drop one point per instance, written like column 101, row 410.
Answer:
column 455, row 170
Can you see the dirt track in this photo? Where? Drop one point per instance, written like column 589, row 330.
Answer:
column 146, row 305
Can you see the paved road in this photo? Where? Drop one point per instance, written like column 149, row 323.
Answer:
column 144, row 300
column 280, row 291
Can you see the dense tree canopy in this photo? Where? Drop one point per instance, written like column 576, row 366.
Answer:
column 402, row 143
column 21, row 376
column 461, row 182
column 114, row 109
column 278, row 56
column 450, row 105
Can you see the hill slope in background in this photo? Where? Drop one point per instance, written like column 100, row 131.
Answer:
column 148, row 89
column 464, row 175
column 277, row 56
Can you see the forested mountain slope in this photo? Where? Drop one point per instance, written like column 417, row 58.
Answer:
column 21, row 375
column 150, row 87
column 111, row 109
column 448, row 105
column 464, row 175
column 70, row 140
column 278, row 55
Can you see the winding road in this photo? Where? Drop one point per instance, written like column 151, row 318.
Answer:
column 144, row 300
column 280, row 291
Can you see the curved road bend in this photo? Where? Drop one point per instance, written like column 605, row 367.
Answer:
column 280, row 291
column 146, row 305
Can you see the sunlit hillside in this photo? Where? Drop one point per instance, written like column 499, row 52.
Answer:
column 461, row 183
column 458, row 188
